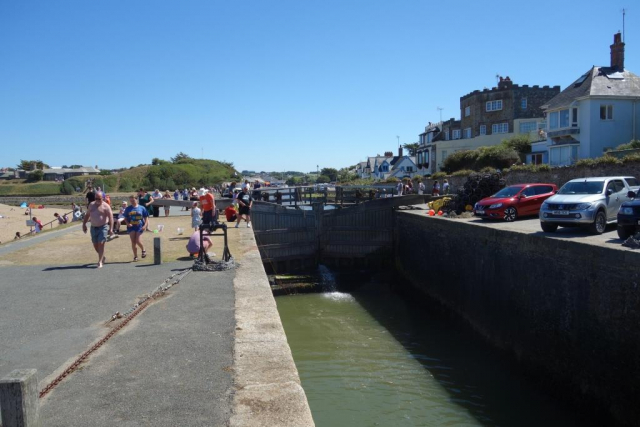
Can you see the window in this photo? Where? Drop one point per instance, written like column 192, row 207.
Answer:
column 564, row 118
column 409, row 168
column 500, row 128
column 530, row 191
column 537, row 159
column 543, row 189
column 494, row 105
column 523, row 103
column 606, row 112
column 526, row 127
column 467, row 111
column 455, row 134
column 467, row 133
column 446, row 135
column 483, row 129
column 632, row 182
column 574, row 117
column 559, row 119
column 562, row 156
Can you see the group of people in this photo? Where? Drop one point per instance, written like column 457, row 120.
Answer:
column 408, row 188
column 136, row 214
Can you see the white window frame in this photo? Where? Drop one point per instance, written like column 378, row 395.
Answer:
column 608, row 112
column 455, row 134
column 523, row 103
column 494, row 105
column 574, row 117
column 499, row 128
column 467, row 111
column 483, row 129
column 467, row 133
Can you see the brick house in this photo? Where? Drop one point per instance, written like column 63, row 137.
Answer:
column 487, row 117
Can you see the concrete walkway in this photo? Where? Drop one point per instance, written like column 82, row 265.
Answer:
column 172, row 366
column 195, row 357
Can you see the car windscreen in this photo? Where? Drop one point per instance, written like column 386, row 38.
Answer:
column 582, row 187
column 508, row 192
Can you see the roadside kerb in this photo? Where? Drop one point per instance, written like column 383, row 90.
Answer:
column 268, row 390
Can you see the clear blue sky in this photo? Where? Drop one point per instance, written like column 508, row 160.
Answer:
column 272, row 85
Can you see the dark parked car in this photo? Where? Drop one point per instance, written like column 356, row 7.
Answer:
column 514, row 201
column 629, row 216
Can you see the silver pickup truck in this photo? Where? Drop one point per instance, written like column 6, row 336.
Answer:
column 589, row 202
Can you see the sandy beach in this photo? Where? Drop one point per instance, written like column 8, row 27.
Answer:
column 13, row 219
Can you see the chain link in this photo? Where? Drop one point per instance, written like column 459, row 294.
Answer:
column 128, row 315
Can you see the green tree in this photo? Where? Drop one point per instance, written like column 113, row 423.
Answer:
column 35, row 176
column 323, row 179
column 27, row 164
column 412, row 147
column 330, row 172
column 180, row 156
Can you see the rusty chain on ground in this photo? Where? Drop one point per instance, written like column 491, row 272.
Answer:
column 129, row 315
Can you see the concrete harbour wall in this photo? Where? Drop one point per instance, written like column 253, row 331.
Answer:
column 566, row 310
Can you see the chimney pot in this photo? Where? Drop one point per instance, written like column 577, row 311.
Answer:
column 617, row 52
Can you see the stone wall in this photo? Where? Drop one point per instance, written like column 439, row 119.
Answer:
column 568, row 311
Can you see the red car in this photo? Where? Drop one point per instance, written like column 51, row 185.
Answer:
column 514, row 201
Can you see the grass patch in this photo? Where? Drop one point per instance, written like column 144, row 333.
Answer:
column 12, row 188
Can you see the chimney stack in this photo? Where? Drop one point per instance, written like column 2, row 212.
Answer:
column 400, row 151
column 617, row 52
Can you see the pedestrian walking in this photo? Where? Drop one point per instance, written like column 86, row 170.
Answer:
column 445, row 187
column 101, row 218
column 245, row 201
column 421, row 188
column 137, row 218
column 436, row 189
column 399, row 188
column 90, row 196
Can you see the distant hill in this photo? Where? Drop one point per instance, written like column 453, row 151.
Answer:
column 169, row 176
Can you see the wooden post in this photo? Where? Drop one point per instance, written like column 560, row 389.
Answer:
column 157, row 251
column 19, row 399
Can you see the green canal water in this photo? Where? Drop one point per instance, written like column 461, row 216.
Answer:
column 374, row 358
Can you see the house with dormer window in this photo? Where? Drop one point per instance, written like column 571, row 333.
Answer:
column 598, row 111
column 383, row 167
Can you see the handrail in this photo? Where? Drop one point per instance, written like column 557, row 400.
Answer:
column 44, row 225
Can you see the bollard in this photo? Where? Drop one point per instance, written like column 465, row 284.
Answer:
column 157, row 251
column 19, row 399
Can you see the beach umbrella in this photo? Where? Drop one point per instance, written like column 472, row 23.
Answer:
column 23, row 205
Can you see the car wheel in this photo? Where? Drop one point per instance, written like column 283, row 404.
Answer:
column 599, row 224
column 625, row 232
column 548, row 228
column 510, row 214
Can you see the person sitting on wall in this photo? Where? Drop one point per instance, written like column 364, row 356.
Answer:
column 61, row 219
